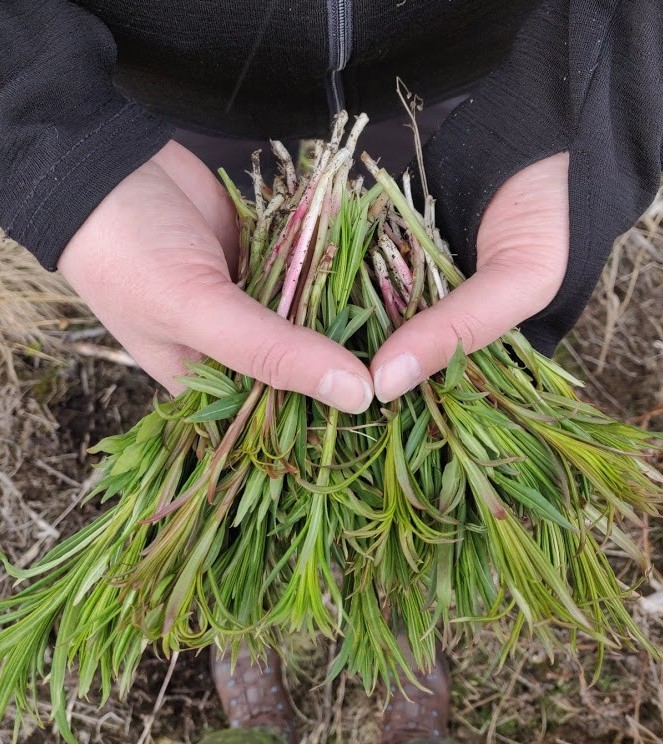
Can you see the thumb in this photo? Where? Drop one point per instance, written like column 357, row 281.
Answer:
column 522, row 250
column 484, row 307
column 224, row 323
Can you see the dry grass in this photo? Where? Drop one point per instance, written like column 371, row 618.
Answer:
column 48, row 418
column 35, row 306
column 618, row 342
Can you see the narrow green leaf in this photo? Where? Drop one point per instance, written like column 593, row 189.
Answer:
column 338, row 326
column 456, row 368
column 220, row 410
column 357, row 322
column 533, row 500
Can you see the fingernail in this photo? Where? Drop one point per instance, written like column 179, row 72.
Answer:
column 345, row 391
column 396, row 377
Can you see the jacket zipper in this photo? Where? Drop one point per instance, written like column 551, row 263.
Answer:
column 339, row 33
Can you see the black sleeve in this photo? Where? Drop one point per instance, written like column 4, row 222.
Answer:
column 67, row 137
column 584, row 76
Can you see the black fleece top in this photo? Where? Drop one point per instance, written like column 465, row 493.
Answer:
column 90, row 90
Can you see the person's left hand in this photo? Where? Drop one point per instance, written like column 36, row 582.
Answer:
column 522, row 254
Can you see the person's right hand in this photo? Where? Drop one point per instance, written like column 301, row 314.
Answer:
column 154, row 261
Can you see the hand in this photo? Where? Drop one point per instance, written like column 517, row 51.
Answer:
column 522, row 253
column 154, row 262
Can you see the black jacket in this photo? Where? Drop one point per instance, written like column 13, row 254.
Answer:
column 578, row 75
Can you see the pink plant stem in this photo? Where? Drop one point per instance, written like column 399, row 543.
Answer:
column 318, row 255
column 386, row 288
column 414, row 221
column 393, row 230
column 284, row 241
column 301, row 247
column 440, row 283
column 398, row 301
column 397, row 264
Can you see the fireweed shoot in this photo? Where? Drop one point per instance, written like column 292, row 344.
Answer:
column 239, row 513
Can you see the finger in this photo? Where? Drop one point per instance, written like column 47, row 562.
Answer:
column 226, row 324
column 494, row 300
column 522, row 249
column 203, row 189
column 164, row 362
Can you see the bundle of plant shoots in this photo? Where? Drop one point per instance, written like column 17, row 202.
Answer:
column 240, row 513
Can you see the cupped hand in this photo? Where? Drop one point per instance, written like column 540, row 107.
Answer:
column 522, row 254
column 154, row 262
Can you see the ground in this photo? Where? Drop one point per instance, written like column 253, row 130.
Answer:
column 59, row 393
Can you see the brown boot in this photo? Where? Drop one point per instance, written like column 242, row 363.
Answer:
column 425, row 715
column 253, row 695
